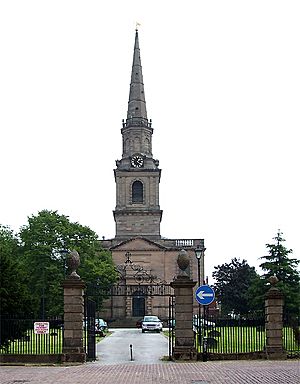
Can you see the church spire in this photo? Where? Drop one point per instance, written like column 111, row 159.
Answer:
column 136, row 113
column 137, row 174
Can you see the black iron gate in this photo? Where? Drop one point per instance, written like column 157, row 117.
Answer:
column 171, row 325
column 89, row 328
column 137, row 284
column 138, row 293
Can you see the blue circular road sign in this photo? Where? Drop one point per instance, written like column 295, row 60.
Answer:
column 205, row 295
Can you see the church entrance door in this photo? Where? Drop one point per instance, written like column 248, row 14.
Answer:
column 138, row 304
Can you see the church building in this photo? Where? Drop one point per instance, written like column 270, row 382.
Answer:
column 142, row 256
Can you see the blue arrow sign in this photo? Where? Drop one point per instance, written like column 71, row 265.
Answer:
column 205, row 295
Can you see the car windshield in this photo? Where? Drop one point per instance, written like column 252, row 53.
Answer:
column 151, row 318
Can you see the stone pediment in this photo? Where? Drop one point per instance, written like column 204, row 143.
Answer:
column 139, row 243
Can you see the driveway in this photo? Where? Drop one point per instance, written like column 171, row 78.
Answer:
column 147, row 348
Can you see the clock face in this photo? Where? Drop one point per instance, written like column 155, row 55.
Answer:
column 137, row 161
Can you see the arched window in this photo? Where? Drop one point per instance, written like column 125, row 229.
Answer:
column 137, row 192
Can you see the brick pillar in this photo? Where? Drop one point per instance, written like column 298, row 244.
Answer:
column 274, row 323
column 183, row 290
column 73, row 350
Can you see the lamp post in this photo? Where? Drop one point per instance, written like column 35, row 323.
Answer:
column 199, row 252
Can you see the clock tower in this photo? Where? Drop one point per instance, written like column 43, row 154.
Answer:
column 144, row 259
column 137, row 175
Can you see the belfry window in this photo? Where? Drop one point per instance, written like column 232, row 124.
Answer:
column 137, row 192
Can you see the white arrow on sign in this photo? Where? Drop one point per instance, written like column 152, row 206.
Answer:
column 202, row 295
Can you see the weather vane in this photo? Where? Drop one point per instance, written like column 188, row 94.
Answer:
column 137, row 25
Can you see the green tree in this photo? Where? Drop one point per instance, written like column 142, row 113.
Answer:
column 98, row 271
column 46, row 241
column 278, row 262
column 232, row 283
column 14, row 297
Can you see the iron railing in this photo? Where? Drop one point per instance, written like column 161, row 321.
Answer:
column 230, row 336
column 291, row 335
column 23, row 336
column 171, row 323
column 90, row 328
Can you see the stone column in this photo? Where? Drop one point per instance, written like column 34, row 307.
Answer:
column 73, row 350
column 274, row 323
column 183, row 290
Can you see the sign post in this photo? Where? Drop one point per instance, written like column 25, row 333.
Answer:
column 205, row 295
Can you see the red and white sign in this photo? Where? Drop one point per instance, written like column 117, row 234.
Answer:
column 41, row 327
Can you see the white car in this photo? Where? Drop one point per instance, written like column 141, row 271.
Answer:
column 151, row 323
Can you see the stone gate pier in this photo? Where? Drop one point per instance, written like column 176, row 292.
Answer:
column 274, row 321
column 183, row 290
column 73, row 349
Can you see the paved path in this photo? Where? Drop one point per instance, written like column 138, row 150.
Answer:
column 228, row 372
column 148, row 348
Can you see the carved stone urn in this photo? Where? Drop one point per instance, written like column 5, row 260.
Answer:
column 183, row 262
column 273, row 280
column 73, row 262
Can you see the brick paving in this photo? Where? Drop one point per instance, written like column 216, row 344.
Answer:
column 227, row 372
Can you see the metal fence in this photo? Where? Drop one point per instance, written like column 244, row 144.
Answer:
column 291, row 335
column 229, row 335
column 28, row 336
column 90, row 328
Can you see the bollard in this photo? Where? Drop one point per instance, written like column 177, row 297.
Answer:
column 131, row 356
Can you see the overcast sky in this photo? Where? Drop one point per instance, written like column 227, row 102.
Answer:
column 222, row 85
